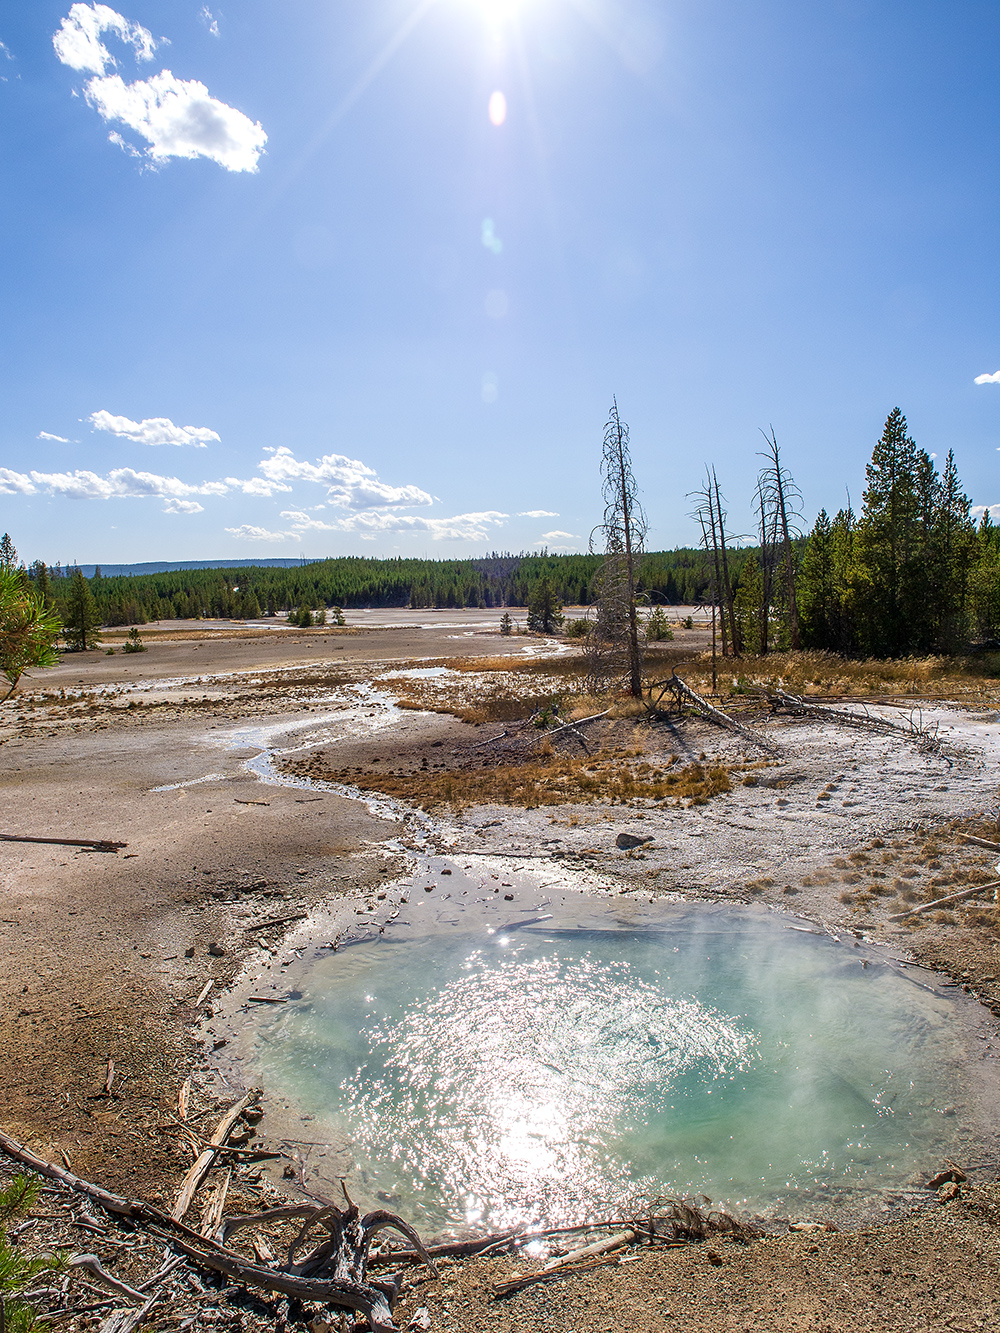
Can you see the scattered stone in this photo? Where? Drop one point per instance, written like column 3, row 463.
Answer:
column 216, row 951
column 626, row 841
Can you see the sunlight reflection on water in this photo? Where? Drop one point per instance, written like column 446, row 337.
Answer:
column 539, row 1073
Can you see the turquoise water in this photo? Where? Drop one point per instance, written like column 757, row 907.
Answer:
column 488, row 1072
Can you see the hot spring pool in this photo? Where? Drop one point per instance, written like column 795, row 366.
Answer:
column 490, row 1068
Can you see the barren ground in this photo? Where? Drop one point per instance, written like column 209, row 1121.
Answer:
column 96, row 961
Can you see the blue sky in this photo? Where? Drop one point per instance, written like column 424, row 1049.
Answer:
column 276, row 282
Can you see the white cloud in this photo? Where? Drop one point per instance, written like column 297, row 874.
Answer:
column 988, row 379
column 183, row 507
column 15, row 483
column 176, row 117
column 209, row 20
column 257, row 486
column 551, row 536
column 59, row 439
column 537, row 513
column 247, row 532
column 977, row 511
column 152, row 430
column 78, row 41
column 120, row 484
column 352, row 484
column 371, row 524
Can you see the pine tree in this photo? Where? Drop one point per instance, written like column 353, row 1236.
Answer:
column 544, row 608
column 889, row 543
column 81, row 620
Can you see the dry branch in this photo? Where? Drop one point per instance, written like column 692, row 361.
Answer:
column 942, row 902
column 980, row 842
column 204, row 1160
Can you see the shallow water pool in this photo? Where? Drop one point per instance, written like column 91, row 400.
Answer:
column 488, row 1067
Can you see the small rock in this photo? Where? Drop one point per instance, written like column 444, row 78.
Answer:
column 218, row 1045
column 216, row 951
column 952, row 1175
column 626, row 841
column 714, row 1258
column 949, row 1191
column 289, row 1172
column 421, row 1321
column 445, row 872
column 189, row 953
column 508, row 897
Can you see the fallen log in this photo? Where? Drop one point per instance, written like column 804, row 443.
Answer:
column 351, row 1238
column 95, row 844
column 684, row 692
column 943, row 902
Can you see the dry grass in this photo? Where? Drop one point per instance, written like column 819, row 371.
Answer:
column 823, row 673
column 548, row 779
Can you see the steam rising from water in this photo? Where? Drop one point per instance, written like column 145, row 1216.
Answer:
column 467, row 1068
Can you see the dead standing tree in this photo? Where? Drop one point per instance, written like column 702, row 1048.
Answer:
column 778, row 500
column 711, row 517
column 614, row 647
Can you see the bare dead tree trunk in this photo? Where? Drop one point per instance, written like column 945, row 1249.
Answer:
column 726, row 582
column 614, row 644
column 765, row 573
column 718, row 574
column 783, row 497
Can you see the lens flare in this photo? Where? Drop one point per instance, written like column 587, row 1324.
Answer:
column 498, row 108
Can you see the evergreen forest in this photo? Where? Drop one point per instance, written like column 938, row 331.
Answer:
column 910, row 573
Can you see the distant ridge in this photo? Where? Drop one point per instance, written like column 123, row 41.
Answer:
column 170, row 566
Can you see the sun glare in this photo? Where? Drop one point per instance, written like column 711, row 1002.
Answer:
column 498, row 108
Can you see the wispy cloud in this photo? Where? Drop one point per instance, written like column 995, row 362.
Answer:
column 989, row 379
column 59, row 439
column 537, row 513
column 120, row 484
column 152, row 430
column 372, row 524
column 78, row 41
column 249, row 533
column 352, row 484
column 183, row 507
column 176, row 117
column 256, row 486
column 209, row 20
column 554, row 536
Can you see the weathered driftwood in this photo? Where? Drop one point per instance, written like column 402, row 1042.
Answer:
column 95, row 844
column 199, row 1169
column 92, row 1264
column 980, row 842
column 861, row 720
column 334, row 1273
column 616, row 1242
column 278, row 921
column 684, row 694
column 943, row 902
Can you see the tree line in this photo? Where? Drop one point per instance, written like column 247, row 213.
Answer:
column 910, row 573
column 497, row 580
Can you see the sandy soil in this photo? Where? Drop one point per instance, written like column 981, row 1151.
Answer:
column 103, row 955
